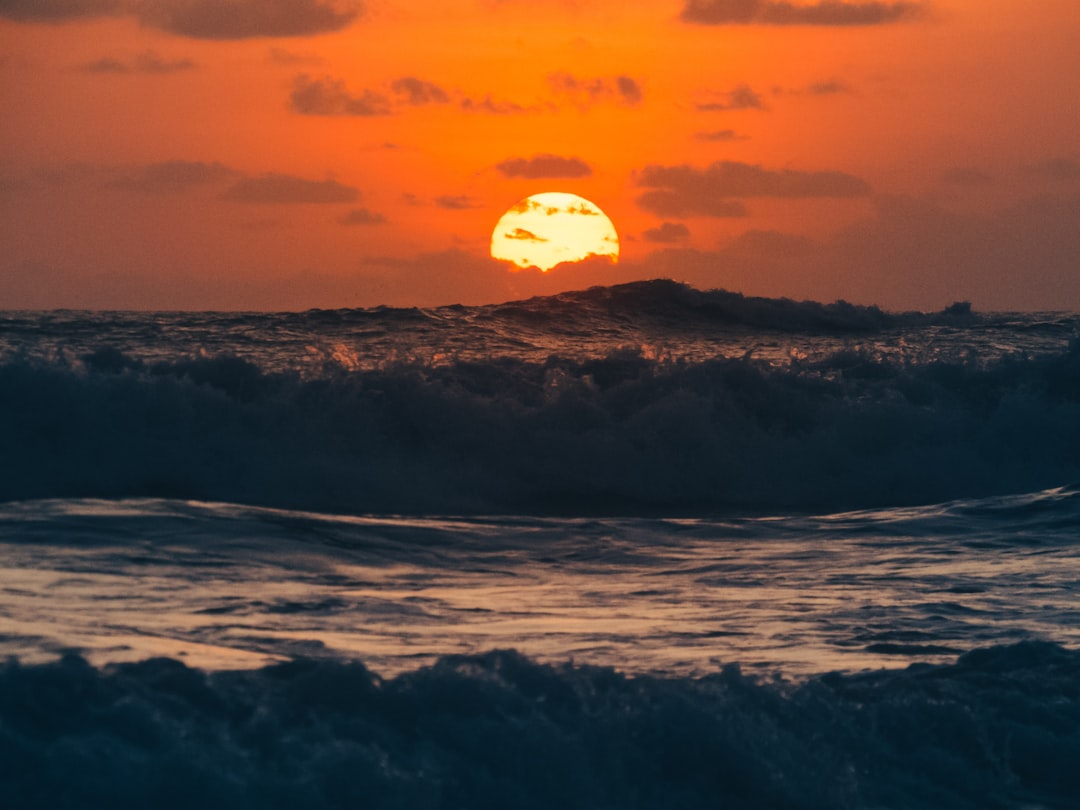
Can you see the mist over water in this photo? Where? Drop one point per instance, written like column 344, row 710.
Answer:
column 735, row 552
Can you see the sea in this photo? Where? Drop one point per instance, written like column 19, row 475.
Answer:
column 639, row 546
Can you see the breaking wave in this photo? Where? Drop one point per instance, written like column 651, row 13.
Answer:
column 622, row 434
column 998, row 728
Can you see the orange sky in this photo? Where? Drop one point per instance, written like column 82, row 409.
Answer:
column 286, row 154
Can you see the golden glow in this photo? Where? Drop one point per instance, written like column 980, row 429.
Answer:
column 544, row 230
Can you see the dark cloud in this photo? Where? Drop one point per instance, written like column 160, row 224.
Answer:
column 629, row 89
column 720, row 135
column 58, row 10
column 667, row 234
column 247, row 19
column 146, row 62
column 418, row 92
column 172, row 176
column 362, row 216
column 966, row 176
column 524, row 235
column 201, row 19
column 285, row 189
column 742, row 97
column 586, row 92
column 327, row 96
column 825, row 12
column 680, row 191
column 459, row 202
column 544, row 166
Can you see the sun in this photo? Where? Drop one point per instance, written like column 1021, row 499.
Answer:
column 546, row 229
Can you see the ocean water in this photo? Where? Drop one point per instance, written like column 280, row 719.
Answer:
column 633, row 547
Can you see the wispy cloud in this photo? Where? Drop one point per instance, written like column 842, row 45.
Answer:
column 742, row 97
column 146, row 62
column 586, row 91
column 681, row 191
column 276, row 188
column 825, row 12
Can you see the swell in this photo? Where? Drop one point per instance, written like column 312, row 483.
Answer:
column 997, row 728
column 621, row 434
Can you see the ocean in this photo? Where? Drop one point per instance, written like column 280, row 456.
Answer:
column 640, row 546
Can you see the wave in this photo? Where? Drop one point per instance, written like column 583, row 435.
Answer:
column 676, row 304
column 1000, row 727
column 622, row 434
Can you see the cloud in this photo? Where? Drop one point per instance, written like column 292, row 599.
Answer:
column 544, row 166
column 668, row 233
column 418, row 92
column 58, row 10
column 247, row 19
column 828, row 88
column 201, row 19
column 459, row 202
column 524, row 235
column 742, row 97
column 327, row 96
column 720, row 136
column 586, row 92
column 285, row 189
column 146, row 62
column 825, row 12
column 362, row 216
column 681, row 191
column 487, row 104
column 172, row 176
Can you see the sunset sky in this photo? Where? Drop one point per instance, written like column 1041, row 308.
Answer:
column 287, row 154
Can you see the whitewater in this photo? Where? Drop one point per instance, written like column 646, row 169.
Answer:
column 637, row 546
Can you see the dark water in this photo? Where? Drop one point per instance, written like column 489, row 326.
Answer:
column 746, row 552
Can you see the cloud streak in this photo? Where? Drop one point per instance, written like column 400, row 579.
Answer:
column 146, row 62
column 200, row 19
column 284, row 189
column 715, row 191
column 824, row 13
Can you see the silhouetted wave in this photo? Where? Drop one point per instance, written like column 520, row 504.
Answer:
column 998, row 728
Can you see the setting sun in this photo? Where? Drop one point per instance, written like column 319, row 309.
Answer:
column 544, row 230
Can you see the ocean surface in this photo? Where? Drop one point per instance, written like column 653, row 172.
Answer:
column 642, row 546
